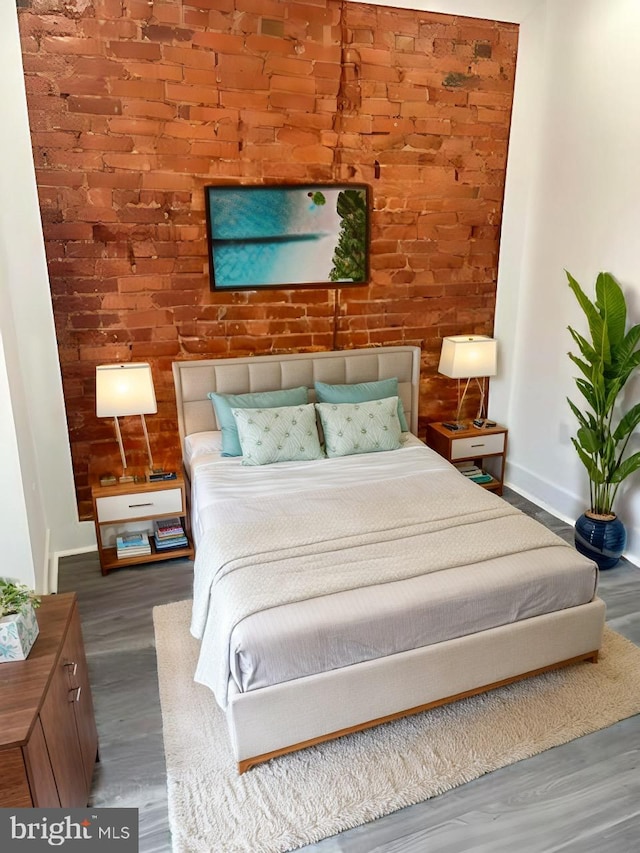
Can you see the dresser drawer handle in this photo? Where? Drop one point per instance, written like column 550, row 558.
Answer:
column 73, row 664
column 478, row 445
column 137, row 506
column 77, row 690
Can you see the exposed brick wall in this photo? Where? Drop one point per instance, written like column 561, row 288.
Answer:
column 135, row 106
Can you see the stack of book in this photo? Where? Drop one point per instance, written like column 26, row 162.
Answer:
column 132, row 545
column 169, row 533
column 472, row 472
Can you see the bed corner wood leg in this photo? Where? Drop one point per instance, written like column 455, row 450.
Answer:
column 594, row 657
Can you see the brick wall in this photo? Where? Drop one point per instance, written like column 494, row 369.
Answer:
column 135, row 107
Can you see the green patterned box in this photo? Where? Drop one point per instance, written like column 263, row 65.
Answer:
column 18, row 633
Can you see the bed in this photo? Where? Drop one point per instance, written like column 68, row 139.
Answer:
column 333, row 594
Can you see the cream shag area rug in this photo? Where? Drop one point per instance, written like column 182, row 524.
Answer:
column 301, row 798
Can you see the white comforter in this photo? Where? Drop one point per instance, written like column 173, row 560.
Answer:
column 297, row 532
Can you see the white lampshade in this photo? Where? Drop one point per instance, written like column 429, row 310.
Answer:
column 124, row 389
column 468, row 356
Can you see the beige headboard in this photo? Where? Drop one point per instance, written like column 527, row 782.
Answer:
column 195, row 379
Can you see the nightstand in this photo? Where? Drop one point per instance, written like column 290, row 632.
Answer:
column 486, row 447
column 133, row 507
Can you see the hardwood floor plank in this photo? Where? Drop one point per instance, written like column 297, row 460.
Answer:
column 581, row 797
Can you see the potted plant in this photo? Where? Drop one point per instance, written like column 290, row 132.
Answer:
column 18, row 623
column 607, row 359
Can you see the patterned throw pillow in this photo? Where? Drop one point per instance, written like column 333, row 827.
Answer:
column 360, row 427
column 224, row 403
column 283, row 434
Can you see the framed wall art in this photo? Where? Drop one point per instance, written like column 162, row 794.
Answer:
column 289, row 235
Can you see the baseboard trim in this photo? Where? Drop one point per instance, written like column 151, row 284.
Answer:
column 55, row 559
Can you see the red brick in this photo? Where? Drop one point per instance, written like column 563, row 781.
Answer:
column 151, row 90
column 191, row 94
column 290, row 102
column 188, row 57
column 70, row 45
column 303, row 85
column 147, row 109
column 257, row 43
column 292, row 65
column 491, row 99
column 238, row 74
column 224, row 43
column 197, row 19
column 82, row 85
column 245, row 100
column 102, row 30
column 99, row 106
column 166, row 180
column 198, row 76
column 161, row 33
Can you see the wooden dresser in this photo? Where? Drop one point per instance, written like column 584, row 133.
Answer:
column 48, row 738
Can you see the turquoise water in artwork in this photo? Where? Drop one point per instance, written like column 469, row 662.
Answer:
column 272, row 236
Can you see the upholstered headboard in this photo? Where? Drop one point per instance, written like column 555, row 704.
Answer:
column 195, row 379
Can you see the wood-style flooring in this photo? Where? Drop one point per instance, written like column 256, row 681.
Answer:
column 582, row 797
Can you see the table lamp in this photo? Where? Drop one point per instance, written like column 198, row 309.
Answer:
column 121, row 390
column 468, row 357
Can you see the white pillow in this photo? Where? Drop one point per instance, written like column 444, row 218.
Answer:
column 283, row 434
column 202, row 444
column 367, row 427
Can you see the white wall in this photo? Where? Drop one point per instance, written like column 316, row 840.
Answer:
column 572, row 202
column 31, row 393
column 17, row 558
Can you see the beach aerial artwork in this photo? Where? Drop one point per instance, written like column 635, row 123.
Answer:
column 287, row 236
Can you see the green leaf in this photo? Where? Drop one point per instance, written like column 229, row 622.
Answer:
column 628, row 466
column 589, row 440
column 608, row 453
column 627, row 423
column 626, row 369
column 584, row 367
column 589, row 464
column 599, row 392
column 588, row 392
column 585, row 419
column 629, row 345
column 611, row 304
column 611, row 397
column 586, row 349
column 597, row 326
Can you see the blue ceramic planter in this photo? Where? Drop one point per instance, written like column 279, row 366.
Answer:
column 602, row 540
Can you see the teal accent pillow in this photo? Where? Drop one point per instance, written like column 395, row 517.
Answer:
column 283, row 434
column 223, row 403
column 360, row 392
column 367, row 427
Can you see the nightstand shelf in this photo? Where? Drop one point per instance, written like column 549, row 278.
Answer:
column 486, row 447
column 133, row 507
column 110, row 559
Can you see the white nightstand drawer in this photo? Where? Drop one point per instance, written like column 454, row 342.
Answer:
column 481, row 445
column 139, row 505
